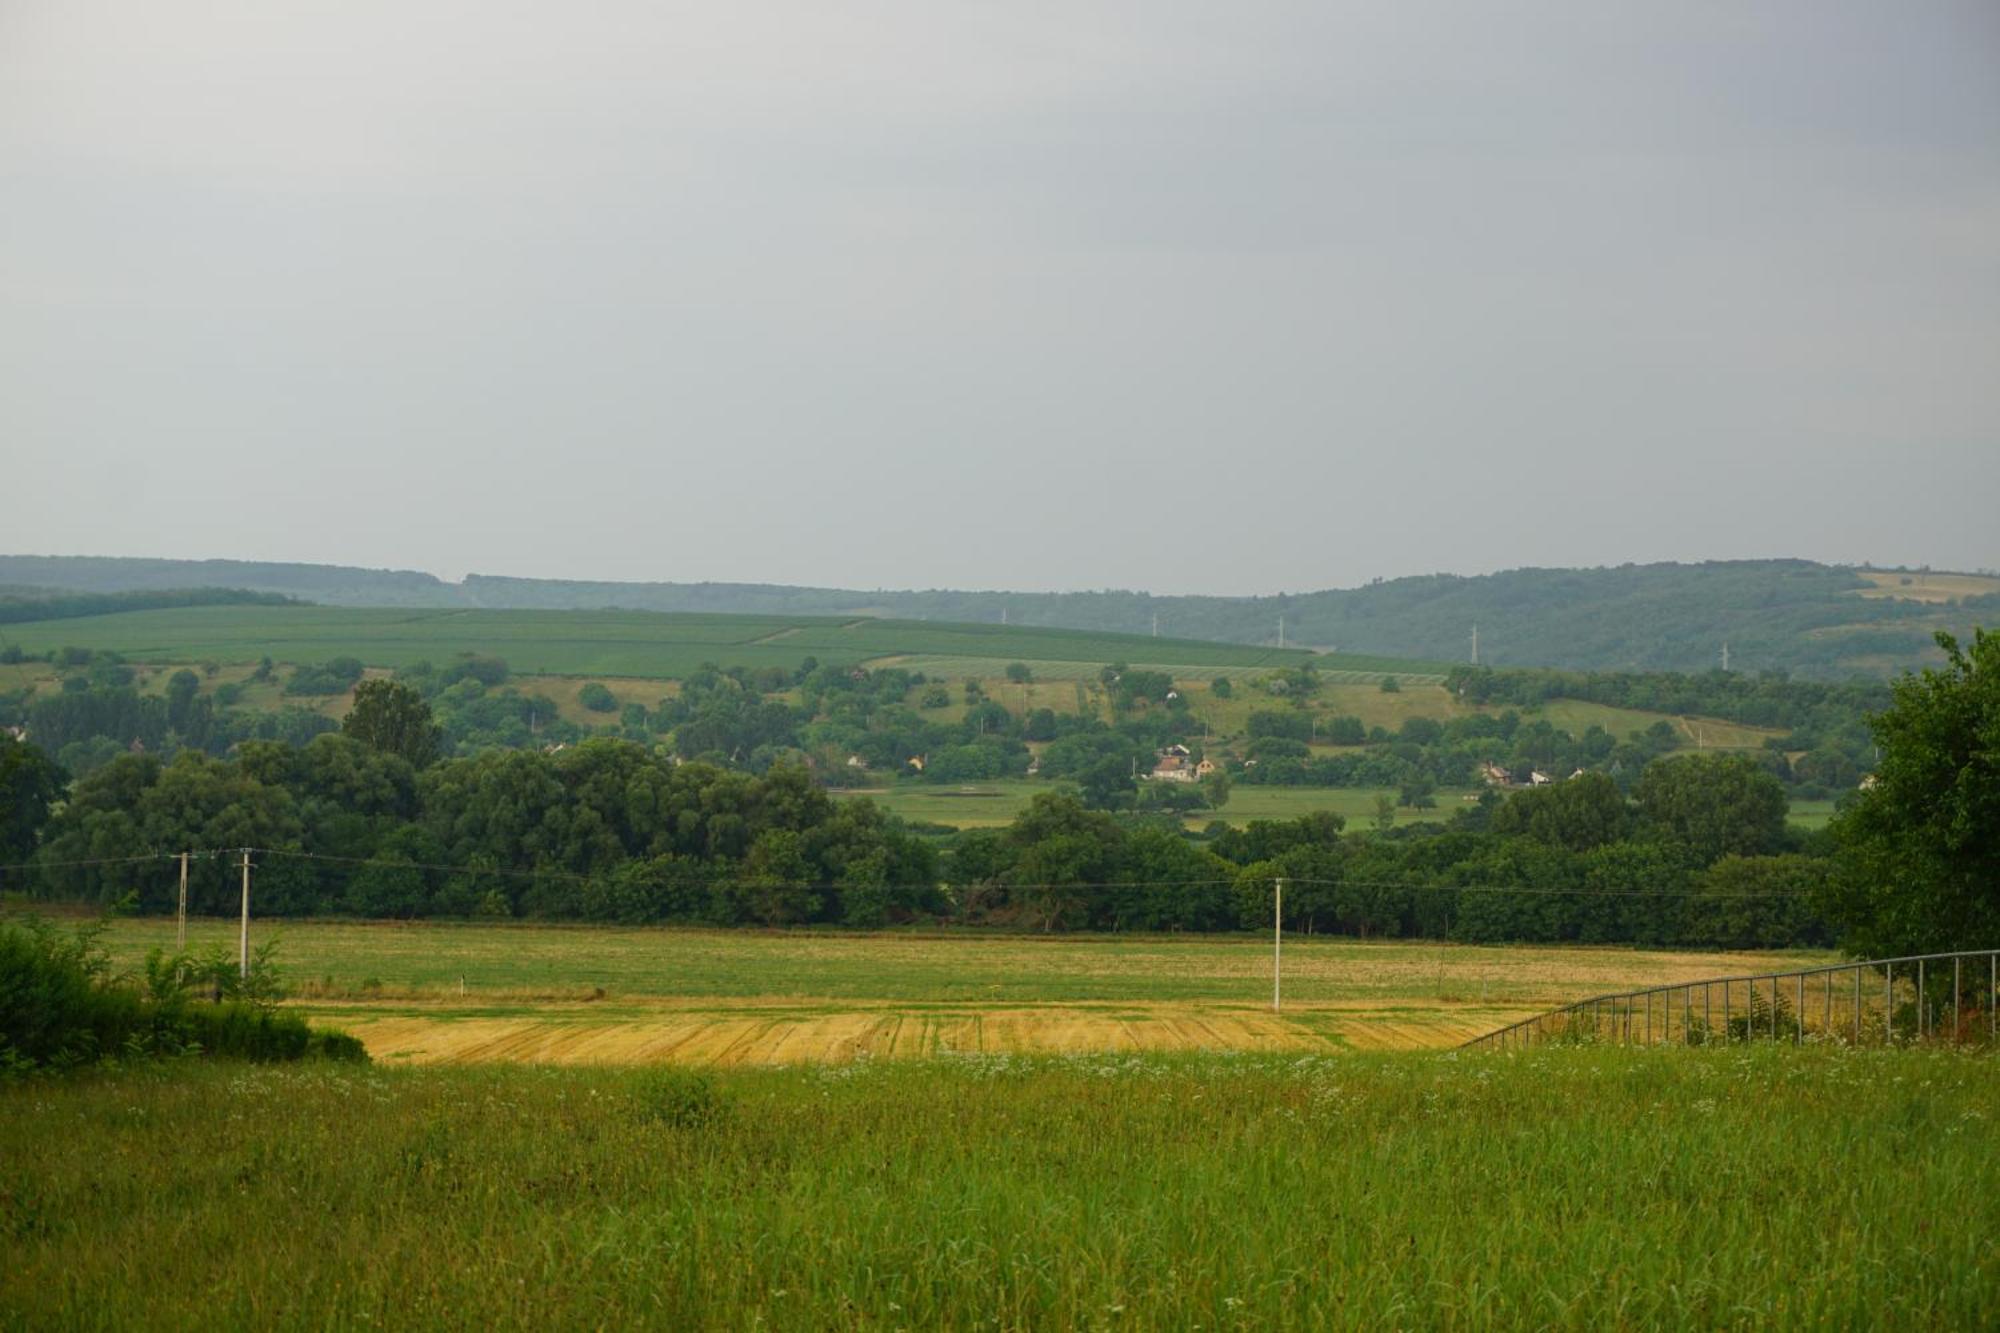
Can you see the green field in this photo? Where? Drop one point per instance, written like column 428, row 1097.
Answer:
column 990, row 804
column 1335, row 668
column 1570, row 1188
column 1813, row 814
column 674, row 1128
column 453, row 960
column 615, row 643
column 436, row 992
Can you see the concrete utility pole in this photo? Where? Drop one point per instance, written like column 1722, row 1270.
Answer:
column 243, row 936
column 1281, row 631
column 1725, row 657
column 1156, row 624
column 181, row 918
column 1475, row 645
column 1277, row 942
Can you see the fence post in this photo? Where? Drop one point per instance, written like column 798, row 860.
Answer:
column 1920, row 999
column 1955, row 969
column 1802, row 1009
column 1889, row 1004
column 1857, row 1006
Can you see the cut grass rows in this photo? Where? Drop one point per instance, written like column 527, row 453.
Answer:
column 442, row 993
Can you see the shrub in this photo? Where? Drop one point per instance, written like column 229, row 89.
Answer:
column 60, row 1006
column 597, row 698
column 336, row 676
column 680, row 1099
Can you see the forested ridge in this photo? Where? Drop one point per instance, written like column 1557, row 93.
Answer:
column 1787, row 615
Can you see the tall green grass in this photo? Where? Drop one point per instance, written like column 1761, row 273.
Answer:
column 1568, row 1188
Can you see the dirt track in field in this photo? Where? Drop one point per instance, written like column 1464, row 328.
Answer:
column 795, row 1034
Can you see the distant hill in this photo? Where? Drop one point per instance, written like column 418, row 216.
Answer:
column 1790, row 615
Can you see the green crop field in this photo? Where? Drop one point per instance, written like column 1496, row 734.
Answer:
column 1570, row 1188
column 615, row 643
column 989, row 804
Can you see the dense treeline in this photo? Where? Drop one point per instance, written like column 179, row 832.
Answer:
column 604, row 831
column 1828, row 740
column 19, row 606
column 1701, row 856
column 861, row 727
column 611, row 831
column 99, row 714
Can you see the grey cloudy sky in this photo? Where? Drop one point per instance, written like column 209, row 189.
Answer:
column 1227, row 298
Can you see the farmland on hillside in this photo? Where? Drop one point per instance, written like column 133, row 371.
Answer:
column 617, row 643
column 1787, row 615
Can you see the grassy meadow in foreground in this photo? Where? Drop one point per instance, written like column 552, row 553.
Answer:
column 1569, row 1188
column 439, row 992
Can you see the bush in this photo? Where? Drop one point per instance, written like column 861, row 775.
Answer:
column 597, row 698
column 336, row 676
column 680, row 1099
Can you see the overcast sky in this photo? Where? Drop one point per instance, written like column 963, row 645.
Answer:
column 1238, row 297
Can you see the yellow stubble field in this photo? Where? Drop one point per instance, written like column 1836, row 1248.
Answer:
column 427, row 993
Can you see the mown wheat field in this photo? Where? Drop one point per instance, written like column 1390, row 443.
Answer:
column 426, row 993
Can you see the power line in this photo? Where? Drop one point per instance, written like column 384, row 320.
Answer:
column 112, row 860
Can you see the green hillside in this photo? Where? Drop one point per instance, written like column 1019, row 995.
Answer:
column 623, row 643
column 1787, row 615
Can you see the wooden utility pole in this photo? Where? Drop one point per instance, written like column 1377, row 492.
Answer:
column 1277, row 942
column 181, row 919
column 243, row 936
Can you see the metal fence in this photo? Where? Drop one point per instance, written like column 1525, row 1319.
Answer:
column 1938, row 996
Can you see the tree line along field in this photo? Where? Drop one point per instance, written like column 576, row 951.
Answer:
column 1570, row 1189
